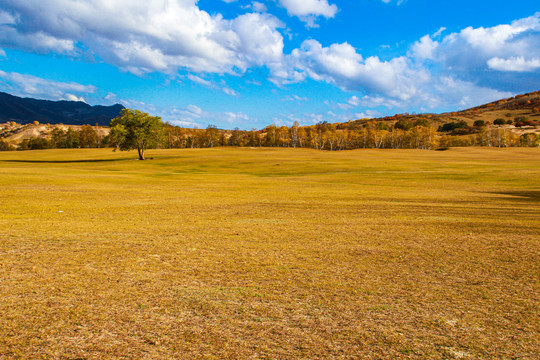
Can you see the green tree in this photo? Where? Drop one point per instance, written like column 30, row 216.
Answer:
column 34, row 143
column 134, row 129
column 404, row 124
column 479, row 123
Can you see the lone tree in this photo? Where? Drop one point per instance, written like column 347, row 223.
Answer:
column 134, row 129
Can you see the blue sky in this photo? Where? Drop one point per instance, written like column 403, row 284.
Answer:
column 248, row 64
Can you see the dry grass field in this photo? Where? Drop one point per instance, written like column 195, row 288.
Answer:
column 270, row 254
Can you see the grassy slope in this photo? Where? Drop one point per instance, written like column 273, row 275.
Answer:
column 270, row 253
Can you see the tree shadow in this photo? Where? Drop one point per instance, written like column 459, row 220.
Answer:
column 62, row 161
column 525, row 195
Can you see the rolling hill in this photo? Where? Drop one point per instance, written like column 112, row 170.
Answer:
column 28, row 110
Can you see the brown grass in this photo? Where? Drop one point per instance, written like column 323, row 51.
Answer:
column 270, row 254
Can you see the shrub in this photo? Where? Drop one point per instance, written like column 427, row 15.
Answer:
column 5, row 146
column 422, row 123
column 530, row 139
column 404, row 125
column 479, row 123
column 34, row 144
column 382, row 126
column 499, row 122
column 451, row 126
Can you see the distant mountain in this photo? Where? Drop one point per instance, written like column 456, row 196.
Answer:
column 28, row 110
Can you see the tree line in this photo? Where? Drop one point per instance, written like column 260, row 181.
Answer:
column 137, row 130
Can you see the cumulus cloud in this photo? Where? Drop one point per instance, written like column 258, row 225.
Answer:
column 259, row 42
column 309, row 10
column 465, row 67
column 437, row 71
column 72, row 97
column 31, row 86
column 471, row 53
column 342, row 65
column 518, row 64
column 143, row 35
column 424, row 48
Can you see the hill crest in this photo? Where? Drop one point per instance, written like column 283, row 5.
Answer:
column 28, row 110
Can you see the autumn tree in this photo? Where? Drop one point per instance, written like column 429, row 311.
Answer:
column 88, row 137
column 134, row 129
column 211, row 136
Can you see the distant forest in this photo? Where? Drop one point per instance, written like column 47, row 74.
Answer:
column 406, row 133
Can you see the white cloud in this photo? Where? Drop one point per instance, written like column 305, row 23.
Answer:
column 455, row 70
column 368, row 114
column 199, row 80
column 294, row 98
column 7, row 18
column 369, row 102
column 424, row 48
column 470, row 53
column 309, row 10
column 398, row 2
column 341, row 65
column 36, row 40
column 517, row 64
column 192, row 111
column 195, row 116
column 354, row 101
column 144, row 35
column 258, row 39
column 439, row 32
column 230, row 92
column 72, row 97
column 236, row 118
column 211, row 85
column 258, row 6
column 304, row 119
column 32, row 86
column 461, row 68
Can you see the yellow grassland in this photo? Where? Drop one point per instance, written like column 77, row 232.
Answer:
column 270, row 254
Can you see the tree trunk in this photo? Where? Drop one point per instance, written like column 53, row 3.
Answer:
column 141, row 153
